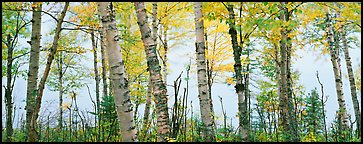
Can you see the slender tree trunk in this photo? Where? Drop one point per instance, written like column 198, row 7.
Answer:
column 149, row 89
column 41, row 86
column 337, row 74
column 277, row 65
column 102, row 32
column 247, row 98
column 278, row 81
column 322, row 106
column 8, row 91
column 70, row 122
column 237, row 51
column 204, row 98
column 246, row 105
column 95, row 66
column 60, row 75
column 186, row 101
column 209, row 73
column 118, row 75
column 283, row 97
column 97, row 79
column 159, row 87
column 353, row 88
column 291, row 108
column 224, row 115
column 174, row 118
column 33, row 65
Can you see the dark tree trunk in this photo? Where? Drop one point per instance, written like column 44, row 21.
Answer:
column 237, row 51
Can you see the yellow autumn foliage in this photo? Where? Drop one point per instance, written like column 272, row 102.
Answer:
column 309, row 137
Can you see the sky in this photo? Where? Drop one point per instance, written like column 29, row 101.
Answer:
column 307, row 64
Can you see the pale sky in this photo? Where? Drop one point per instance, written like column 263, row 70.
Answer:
column 178, row 58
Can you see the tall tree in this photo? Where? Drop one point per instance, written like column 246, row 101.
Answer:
column 97, row 78
column 286, row 39
column 204, row 98
column 246, row 76
column 337, row 72
column 284, row 118
column 60, row 80
column 33, row 62
column 8, row 92
column 353, row 88
column 149, row 89
column 117, row 73
column 159, row 87
column 237, row 51
column 247, row 107
column 95, row 66
column 32, row 133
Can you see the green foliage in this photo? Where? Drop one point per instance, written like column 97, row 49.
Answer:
column 15, row 28
column 312, row 117
column 108, row 108
column 108, row 121
column 67, row 59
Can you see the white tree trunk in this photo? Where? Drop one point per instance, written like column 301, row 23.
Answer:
column 353, row 88
column 118, row 78
column 159, row 87
column 204, row 98
column 337, row 74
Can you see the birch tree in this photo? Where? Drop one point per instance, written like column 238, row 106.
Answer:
column 237, row 51
column 118, row 77
column 33, row 62
column 149, row 89
column 337, row 72
column 204, row 99
column 159, row 87
column 353, row 88
column 32, row 133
